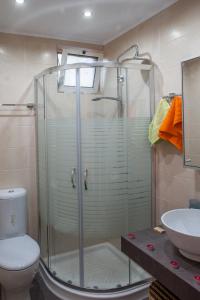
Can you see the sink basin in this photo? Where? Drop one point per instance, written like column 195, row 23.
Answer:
column 183, row 229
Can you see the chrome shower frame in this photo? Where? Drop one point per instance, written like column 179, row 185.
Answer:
column 112, row 64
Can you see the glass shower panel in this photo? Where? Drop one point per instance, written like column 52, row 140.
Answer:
column 116, row 174
column 139, row 156
column 105, row 184
column 139, row 149
column 42, row 169
column 62, row 173
column 94, row 168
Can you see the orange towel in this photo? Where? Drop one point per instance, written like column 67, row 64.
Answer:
column 171, row 127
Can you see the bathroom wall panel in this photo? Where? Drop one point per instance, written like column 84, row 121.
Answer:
column 169, row 37
column 21, row 58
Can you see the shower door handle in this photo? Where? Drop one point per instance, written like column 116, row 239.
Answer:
column 73, row 178
column 86, row 179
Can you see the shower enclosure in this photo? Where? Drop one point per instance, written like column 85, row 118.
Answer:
column 94, row 171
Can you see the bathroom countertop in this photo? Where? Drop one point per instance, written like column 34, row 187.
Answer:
column 164, row 262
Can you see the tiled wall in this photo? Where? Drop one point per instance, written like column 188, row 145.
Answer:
column 20, row 59
column 169, row 38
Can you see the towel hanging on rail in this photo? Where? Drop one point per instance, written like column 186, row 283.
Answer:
column 171, row 127
column 160, row 114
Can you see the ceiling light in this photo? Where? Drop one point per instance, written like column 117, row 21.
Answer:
column 176, row 34
column 87, row 13
column 20, row 1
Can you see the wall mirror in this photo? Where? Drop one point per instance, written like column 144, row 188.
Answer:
column 191, row 112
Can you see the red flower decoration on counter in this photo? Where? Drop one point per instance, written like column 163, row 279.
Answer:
column 197, row 279
column 175, row 264
column 150, row 247
column 131, row 235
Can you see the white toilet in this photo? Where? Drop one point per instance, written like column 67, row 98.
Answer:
column 19, row 253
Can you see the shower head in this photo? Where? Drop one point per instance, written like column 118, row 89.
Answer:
column 139, row 59
column 135, row 57
column 133, row 47
column 106, row 98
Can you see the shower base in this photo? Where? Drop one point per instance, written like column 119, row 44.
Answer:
column 105, row 267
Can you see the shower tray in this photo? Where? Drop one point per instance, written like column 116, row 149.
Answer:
column 105, row 268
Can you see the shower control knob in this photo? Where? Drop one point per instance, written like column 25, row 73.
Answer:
column 175, row 264
column 131, row 235
column 197, row 279
column 150, row 247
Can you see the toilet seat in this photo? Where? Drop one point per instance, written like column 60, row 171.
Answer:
column 18, row 253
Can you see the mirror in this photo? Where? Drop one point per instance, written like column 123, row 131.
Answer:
column 191, row 112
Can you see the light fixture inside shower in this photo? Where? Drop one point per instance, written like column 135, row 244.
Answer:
column 20, row 1
column 87, row 13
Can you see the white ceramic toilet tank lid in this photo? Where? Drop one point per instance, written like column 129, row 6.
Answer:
column 12, row 193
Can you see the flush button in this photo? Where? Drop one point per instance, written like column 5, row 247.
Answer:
column 175, row 264
column 131, row 235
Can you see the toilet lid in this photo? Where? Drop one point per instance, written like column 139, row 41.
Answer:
column 18, row 253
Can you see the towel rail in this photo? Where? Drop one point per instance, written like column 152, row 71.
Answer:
column 27, row 105
column 171, row 96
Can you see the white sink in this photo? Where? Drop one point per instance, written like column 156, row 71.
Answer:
column 183, row 229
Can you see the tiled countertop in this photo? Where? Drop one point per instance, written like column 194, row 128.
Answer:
column 156, row 254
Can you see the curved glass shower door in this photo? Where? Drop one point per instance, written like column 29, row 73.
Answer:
column 105, row 192
column 94, row 167
column 116, row 187
column 63, row 205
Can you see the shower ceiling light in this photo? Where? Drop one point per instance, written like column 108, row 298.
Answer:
column 176, row 34
column 20, row 1
column 87, row 13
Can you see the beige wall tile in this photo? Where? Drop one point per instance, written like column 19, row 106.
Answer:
column 170, row 37
column 21, row 58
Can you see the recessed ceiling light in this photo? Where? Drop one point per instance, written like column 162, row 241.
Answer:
column 20, row 1
column 87, row 13
column 176, row 34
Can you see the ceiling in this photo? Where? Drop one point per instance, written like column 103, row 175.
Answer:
column 63, row 19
